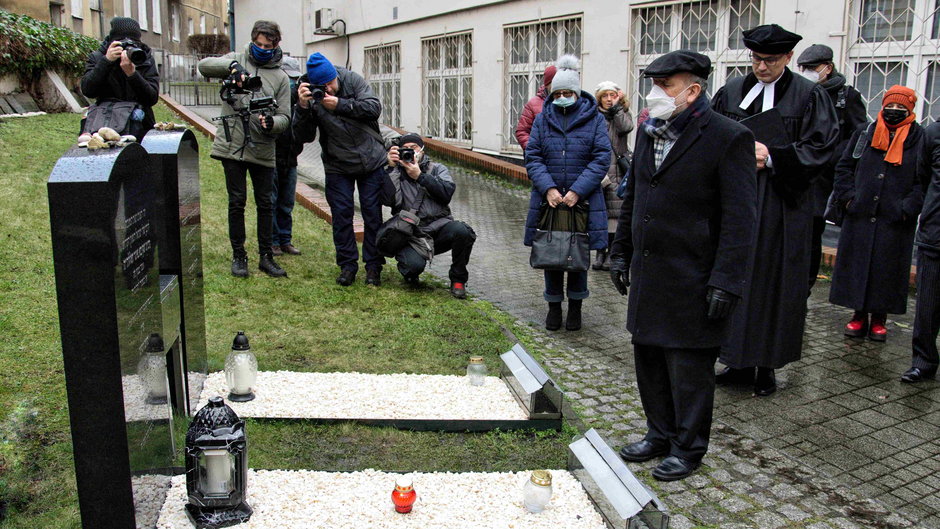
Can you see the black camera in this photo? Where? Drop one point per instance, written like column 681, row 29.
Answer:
column 135, row 54
column 318, row 92
column 260, row 104
column 406, row 155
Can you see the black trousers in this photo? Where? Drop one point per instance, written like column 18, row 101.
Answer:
column 815, row 257
column 677, row 388
column 236, row 184
column 456, row 237
column 927, row 315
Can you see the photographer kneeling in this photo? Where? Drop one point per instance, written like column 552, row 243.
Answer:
column 414, row 183
column 244, row 143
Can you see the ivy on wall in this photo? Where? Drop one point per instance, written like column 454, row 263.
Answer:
column 28, row 46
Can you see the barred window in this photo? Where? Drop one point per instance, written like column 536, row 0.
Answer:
column 383, row 71
column 711, row 27
column 527, row 50
column 895, row 42
column 448, row 82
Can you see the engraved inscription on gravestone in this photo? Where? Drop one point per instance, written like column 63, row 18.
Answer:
column 105, row 255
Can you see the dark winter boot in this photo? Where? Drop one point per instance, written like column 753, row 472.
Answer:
column 267, row 265
column 599, row 260
column 573, row 321
column 553, row 320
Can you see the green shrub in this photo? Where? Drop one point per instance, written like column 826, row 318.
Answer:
column 28, row 46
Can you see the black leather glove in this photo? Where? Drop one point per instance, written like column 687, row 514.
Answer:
column 238, row 71
column 619, row 274
column 720, row 303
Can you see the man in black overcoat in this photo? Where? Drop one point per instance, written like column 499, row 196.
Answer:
column 927, row 316
column 686, row 226
column 795, row 138
column 816, row 65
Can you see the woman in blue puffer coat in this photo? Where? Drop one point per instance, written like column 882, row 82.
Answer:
column 567, row 157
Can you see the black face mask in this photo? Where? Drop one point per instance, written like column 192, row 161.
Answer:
column 893, row 116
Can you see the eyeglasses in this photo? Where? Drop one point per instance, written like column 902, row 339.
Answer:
column 563, row 93
column 769, row 61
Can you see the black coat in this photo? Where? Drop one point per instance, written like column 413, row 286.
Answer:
column 767, row 330
column 687, row 226
column 852, row 113
column 928, row 231
column 105, row 80
column 874, row 262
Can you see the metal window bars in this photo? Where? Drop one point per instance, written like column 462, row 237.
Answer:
column 895, row 42
column 527, row 50
column 448, row 81
column 711, row 27
column 383, row 72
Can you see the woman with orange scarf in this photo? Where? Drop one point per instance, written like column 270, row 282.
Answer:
column 880, row 182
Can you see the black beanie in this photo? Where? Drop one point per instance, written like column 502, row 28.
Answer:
column 124, row 27
column 411, row 137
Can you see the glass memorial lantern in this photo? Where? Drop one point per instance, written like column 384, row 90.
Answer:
column 241, row 370
column 537, row 492
column 151, row 369
column 476, row 371
column 217, row 467
column 404, row 495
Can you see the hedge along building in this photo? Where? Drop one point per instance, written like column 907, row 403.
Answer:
column 462, row 70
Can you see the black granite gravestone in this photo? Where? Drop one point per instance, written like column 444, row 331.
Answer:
column 101, row 206
column 175, row 159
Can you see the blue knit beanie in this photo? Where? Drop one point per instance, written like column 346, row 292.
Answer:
column 319, row 69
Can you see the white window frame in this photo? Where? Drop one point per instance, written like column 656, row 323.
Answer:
column 127, row 8
column 202, row 23
column 175, row 21
column 77, row 9
column 142, row 14
column 440, row 109
column 157, row 16
column 534, row 68
column 383, row 72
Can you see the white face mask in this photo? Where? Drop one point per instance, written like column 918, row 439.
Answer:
column 660, row 104
column 812, row 75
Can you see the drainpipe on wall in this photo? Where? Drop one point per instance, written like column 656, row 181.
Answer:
column 231, row 24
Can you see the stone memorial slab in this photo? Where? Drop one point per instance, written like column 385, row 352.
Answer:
column 101, row 207
column 175, row 160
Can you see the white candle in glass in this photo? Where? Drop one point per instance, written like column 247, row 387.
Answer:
column 243, row 380
column 157, row 380
column 218, row 471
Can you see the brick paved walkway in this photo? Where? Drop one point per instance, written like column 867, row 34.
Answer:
column 842, row 444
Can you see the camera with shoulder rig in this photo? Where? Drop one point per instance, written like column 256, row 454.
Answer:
column 240, row 82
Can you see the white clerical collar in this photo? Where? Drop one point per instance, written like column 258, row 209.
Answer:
column 767, row 88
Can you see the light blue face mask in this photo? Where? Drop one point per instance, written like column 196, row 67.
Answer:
column 564, row 102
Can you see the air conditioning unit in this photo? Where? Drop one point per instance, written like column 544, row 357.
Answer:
column 323, row 19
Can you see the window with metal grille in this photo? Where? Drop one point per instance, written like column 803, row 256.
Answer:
column 448, row 81
column 527, row 50
column 895, row 42
column 710, row 27
column 383, row 71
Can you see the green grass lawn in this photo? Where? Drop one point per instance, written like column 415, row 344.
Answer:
column 304, row 323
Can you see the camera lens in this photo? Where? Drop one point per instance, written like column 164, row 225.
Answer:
column 136, row 55
column 252, row 83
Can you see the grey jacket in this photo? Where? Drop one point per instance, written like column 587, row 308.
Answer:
column 274, row 82
column 348, row 147
column 400, row 192
column 619, row 125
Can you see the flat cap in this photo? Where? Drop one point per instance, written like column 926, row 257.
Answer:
column 679, row 61
column 815, row 55
column 770, row 39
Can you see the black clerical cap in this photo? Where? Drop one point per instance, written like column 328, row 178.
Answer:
column 679, row 61
column 770, row 39
column 815, row 55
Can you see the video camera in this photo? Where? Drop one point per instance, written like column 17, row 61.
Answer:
column 261, row 105
column 135, row 54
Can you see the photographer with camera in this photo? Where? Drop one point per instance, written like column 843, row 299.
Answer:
column 255, row 110
column 414, row 183
column 123, row 70
column 341, row 105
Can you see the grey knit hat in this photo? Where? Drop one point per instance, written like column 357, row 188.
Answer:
column 567, row 77
column 124, row 28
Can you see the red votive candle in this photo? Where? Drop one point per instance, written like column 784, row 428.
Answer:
column 404, row 495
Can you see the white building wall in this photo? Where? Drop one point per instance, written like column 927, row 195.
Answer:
column 287, row 13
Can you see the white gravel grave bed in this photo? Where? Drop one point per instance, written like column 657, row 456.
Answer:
column 362, row 500
column 135, row 399
column 287, row 394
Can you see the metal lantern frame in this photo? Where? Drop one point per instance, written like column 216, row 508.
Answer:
column 217, row 427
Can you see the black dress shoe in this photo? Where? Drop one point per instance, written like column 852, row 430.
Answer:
column 346, row 277
column 765, row 383
column 267, row 265
column 916, row 374
column 643, row 451
column 730, row 376
column 674, row 468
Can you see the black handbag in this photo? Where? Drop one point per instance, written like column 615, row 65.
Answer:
column 558, row 244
